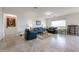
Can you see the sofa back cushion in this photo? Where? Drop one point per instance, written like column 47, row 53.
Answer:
column 36, row 28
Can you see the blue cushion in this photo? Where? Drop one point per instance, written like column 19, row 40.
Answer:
column 39, row 29
column 29, row 35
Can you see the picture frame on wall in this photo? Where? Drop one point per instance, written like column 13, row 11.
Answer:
column 10, row 22
column 38, row 22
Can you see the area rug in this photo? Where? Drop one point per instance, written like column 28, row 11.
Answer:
column 44, row 36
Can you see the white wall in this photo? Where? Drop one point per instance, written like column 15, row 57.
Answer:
column 24, row 18
column 21, row 20
column 71, row 19
column 28, row 17
column 1, row 24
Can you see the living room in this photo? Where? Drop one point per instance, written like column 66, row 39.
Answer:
column 38, row 28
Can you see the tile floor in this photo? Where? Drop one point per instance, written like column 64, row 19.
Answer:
column 54, row 43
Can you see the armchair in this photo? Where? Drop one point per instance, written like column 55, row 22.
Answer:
column 52, row 30
column 29, row 35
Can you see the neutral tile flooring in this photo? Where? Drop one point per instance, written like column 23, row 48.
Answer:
column 54, row 43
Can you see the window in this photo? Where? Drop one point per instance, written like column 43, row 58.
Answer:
column 59, row 23
column 61, row 26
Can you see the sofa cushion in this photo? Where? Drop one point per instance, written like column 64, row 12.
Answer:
column 39, row 29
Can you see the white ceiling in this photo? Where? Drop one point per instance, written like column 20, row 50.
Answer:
column 56, row 11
